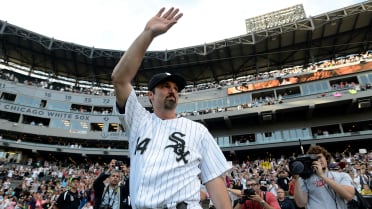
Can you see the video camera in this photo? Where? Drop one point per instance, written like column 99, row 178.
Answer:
column 302, row 165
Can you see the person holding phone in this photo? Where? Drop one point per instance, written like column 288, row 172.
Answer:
column 112, row 194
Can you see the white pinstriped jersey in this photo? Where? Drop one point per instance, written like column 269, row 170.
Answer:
column 167, row 156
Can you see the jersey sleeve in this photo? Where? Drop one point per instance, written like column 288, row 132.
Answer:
column 213, row 163
column 133, row 111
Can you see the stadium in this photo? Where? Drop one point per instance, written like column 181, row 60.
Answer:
column 264, row 94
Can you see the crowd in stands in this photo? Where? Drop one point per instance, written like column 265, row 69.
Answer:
column 337, row 91
column 351, row 87
column 285, row 72
column 257, row 101
column 39, row 184
column 89, row 109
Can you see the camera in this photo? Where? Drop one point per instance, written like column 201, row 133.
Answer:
column 302, row 165
column 247, row 193
column 264, row 184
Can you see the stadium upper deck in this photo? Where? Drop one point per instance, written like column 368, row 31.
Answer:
column 334, row 107
column 303, row 114
column 325, row 36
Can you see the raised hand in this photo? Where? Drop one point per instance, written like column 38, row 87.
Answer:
column 161, row 23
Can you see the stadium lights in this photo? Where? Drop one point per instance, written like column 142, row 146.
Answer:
column 275, row 19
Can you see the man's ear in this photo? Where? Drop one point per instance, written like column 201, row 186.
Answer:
column 150, row 95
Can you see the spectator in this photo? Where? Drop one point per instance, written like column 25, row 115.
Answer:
column 284, row 201
column 5, row 203
column 359, row 179
column 32, row 201
column 71, row 198
column 323, row 189
column 272, row 186
column 88, row 205
column 112, row 195
column 256, row 198
column 264, row 181
column 35, row 185
column 366, row 190
column 283, row 180
column 12, row 202
column 40, row 201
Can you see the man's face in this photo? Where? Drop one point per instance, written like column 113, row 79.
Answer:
column 358, row 171
column 115, row 178
column 125, row 169
column 281, row 174
column 253, row 185
column 75, row 184
column 165, row 96
column 281, row 193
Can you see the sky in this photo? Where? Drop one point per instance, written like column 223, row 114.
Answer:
column 114, row 24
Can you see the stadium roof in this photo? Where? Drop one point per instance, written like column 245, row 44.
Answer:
column 329, row 35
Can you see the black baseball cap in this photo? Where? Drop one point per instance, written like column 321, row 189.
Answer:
column 75, row 178
column 162, row 77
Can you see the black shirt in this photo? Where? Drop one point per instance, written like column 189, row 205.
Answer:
column 68, row 200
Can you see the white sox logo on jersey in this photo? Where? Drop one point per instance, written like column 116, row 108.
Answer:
column 178, row 147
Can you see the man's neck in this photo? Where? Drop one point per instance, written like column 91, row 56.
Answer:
column 113, row 186
column 165, row 115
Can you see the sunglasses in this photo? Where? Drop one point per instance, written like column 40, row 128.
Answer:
column 251, row 185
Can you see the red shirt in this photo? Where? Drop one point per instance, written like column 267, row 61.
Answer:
column 269, row 199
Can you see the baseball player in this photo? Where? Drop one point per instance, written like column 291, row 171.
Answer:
column 168, row 154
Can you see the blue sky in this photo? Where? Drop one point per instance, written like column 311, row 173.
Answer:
column 114, row 24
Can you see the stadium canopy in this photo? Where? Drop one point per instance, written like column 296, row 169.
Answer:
column 326, row 36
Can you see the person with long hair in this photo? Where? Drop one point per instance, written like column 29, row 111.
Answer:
column 323, row 188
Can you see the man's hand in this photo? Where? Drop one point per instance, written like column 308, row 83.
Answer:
column 255, row 197
column 161, row 23
column 317, row 166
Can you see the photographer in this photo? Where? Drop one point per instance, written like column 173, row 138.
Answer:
column 113, row 194
column 254, row 198
column 322, row 188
